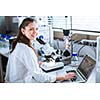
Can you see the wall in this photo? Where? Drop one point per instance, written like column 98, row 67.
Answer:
column 7, row 26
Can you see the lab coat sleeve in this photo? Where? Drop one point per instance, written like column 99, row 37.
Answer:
column 40, row 78
column 34, row 73
column 44, row 77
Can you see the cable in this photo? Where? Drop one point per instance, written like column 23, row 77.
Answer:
column 80, row 49
column 93, row 48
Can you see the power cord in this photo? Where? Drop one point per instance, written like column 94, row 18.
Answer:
column 92, row 47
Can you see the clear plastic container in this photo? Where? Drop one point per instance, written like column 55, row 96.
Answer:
column 74, row 59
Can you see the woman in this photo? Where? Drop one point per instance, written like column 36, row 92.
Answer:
column 23, row 63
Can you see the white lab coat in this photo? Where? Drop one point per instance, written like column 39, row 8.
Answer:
column 23, row 66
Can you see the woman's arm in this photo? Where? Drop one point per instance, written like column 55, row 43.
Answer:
column 68, row 76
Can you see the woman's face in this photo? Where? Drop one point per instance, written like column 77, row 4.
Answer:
column 30, row 31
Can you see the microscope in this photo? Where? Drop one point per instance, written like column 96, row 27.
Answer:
column 52, row 58
column 48, row 52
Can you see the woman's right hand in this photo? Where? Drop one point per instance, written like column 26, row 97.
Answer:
column 69, row 76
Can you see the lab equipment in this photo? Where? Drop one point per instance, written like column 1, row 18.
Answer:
column 67, row 38
column 52, row 56
column 74, row 59
column 51, row 66
column 4, row 40
column 47, row 51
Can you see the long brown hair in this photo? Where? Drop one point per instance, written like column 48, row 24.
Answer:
column 22, row 38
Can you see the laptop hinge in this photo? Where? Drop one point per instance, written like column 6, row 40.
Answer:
column 82, row 75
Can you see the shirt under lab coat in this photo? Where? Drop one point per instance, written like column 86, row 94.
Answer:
column 23, row 67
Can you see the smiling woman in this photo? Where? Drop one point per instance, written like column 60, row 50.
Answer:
column 23, row 63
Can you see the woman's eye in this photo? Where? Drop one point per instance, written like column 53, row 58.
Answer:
column 31, row 29
column 36, row 28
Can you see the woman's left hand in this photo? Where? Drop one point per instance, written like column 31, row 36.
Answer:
column 40, row 62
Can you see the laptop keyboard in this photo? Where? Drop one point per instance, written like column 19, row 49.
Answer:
column 77, row 78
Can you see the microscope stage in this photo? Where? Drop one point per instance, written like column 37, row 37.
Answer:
column 49, row 66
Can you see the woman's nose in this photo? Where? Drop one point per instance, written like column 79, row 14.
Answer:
column 35, row 32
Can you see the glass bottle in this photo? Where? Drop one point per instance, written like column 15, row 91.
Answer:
column 74, row 59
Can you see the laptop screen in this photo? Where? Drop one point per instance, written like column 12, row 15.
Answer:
column 86, row 66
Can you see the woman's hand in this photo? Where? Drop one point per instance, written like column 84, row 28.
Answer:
column 40, row 62
column 69, row 76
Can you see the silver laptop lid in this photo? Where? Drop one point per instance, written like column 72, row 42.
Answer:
column 86, row 66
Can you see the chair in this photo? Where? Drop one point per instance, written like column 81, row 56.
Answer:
column 1, row 72
column 1, row 75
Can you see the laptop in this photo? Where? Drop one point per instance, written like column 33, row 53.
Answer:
column 84, row 69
